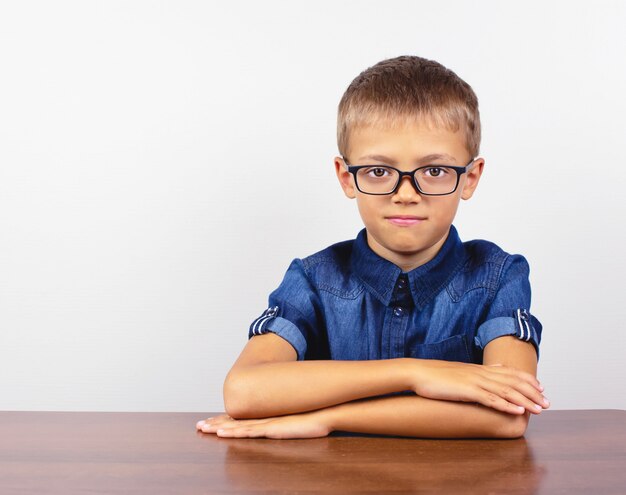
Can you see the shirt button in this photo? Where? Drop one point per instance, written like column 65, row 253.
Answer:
column 398, row 311
column 401, row 285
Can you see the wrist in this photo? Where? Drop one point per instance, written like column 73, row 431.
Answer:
column 409, row 370
column 329, row 417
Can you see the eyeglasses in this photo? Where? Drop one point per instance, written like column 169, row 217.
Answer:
column 430, row 180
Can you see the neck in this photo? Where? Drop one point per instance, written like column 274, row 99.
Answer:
column 408, row 260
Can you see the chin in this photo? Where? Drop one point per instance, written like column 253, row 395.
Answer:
column 403, row 241
column 405, row 244
column 412, row 244
column 406, row 249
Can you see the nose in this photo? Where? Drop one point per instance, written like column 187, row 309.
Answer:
column 407, row 191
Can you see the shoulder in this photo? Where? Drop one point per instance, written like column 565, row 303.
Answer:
column 486, row 266
column 337, row 255
column 323, row 265
column 330, row 270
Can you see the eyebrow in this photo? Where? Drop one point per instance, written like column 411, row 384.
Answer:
column 427, row 158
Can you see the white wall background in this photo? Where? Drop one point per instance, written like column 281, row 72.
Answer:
column 161, row 163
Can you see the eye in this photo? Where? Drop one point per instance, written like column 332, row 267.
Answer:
column 378, row 172
column 435, row 171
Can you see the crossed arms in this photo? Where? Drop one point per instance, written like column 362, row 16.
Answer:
column 268, row 393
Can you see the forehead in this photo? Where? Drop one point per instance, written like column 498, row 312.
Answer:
column 407, row 141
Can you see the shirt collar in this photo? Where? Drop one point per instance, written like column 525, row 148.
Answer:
column 380, row 275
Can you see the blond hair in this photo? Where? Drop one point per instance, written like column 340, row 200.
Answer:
column 407, row 89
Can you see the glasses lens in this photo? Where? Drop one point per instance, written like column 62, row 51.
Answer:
column 377, row 179
column 436, row 180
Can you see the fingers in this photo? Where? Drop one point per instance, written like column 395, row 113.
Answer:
column 497, row 386
column 216, row 419
column 494, row 401
column 225, row 422
column 499, row 368
column 202, row 422
column 513, row 391
column 241, row 432
column 509, row 400
column 222, row 418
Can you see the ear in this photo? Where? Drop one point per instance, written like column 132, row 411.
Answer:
column 472, row 177
column 345, row 178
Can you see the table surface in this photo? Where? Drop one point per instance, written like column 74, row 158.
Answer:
column 97, row 452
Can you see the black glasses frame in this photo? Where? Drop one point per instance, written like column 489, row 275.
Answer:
column 353, row 169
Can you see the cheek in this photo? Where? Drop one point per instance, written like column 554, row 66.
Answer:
column 445, row 209
column 368, row 207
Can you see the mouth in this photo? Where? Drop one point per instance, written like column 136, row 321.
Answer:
column 405, row 220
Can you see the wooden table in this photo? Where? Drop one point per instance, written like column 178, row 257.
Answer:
column 71, row 452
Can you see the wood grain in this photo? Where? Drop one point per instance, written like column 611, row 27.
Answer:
column 71, row 452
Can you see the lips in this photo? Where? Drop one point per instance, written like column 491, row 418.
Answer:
column 405, row 220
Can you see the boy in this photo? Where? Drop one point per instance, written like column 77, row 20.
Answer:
column 406, row 330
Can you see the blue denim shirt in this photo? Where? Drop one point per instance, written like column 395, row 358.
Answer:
column 348, row 303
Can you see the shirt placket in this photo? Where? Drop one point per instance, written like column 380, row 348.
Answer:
column 398, row 314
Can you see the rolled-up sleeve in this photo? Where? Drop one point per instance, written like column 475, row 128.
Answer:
column 293, row 313
column 509, row 311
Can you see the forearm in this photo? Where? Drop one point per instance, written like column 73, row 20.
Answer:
column 267, row 381
column 417, row 416
column 278, row 388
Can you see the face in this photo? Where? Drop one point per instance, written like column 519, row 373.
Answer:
column 406, row 227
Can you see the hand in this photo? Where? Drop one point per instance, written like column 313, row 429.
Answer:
column 500, row 387
column 305, row 425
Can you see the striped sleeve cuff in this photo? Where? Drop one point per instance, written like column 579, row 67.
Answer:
column 269, row 321
column 258, row 326
column 520, row 324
